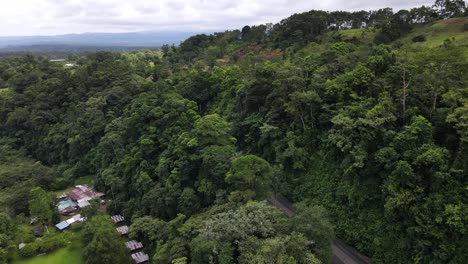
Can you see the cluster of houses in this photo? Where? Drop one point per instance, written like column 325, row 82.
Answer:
column 77, row 198
column 135, row 247
column 69, row 222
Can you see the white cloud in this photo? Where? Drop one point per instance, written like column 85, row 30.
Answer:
column 49, row 17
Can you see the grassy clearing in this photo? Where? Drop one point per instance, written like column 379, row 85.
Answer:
column 68, row 255
column 85, row 180
column 364, row 35
column 71, row 254
column 438, row 32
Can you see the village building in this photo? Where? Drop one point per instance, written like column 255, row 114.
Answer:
column 69, row 222
column 67, row 206
column 62, row 225
column 117, row 219
column 140, row 257
column 134, row 245
column 123, row 230
column 83, row 203
column 83, row 192
column 75, row 219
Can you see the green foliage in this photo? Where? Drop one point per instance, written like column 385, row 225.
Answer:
column 309, row 107
column 313, row 223
column 46, row 244
column 40, row 205
column 290, row 249
column 250, row 173
column 252, row 219
column 102, row 242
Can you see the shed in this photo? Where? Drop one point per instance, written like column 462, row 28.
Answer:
column 140, row 257
column 68, row 210
column 75, row 219
column 83, row 192
column 70, row 221
column 123, row 230
column 83, row 203
column 37, row 231
column 117, row 219
column 21, row 245
column 62, row 225
column 134, row 245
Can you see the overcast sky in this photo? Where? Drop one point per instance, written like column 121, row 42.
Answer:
column 52, row 17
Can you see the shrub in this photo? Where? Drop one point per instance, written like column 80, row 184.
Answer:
column 29, row 250
column 48, row 243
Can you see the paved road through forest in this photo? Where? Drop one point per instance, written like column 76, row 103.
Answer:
column 342, row 253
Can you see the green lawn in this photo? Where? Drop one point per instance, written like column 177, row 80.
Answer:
column 365, row 35
column 438, row 32
column 68, row 255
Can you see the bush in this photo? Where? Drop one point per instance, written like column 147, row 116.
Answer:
column 48, row 243
column 382, row 38
column 419, row 38
column 29, row 250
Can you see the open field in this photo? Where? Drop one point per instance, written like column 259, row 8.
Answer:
column 68, row 255
column 437, row 32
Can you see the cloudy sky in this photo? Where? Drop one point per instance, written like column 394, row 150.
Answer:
column 51, row 17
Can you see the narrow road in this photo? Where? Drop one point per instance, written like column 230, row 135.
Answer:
column 342, row 253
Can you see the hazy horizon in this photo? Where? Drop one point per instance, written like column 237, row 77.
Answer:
column 57, row 17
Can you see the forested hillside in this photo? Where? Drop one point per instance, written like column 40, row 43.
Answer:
column 359, row 118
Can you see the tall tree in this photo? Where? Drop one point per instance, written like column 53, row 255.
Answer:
column 102, row 243
column 40, row 205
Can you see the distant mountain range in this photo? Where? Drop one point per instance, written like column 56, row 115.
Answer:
column 146, row 39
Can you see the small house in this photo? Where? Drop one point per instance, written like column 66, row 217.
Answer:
column 62, row 225
column 83, row 192
column 117, row 219
column 75, row 219
column 140, row 257
column 123, row 230
column 134, row 245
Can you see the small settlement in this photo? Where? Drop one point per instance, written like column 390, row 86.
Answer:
column 135, row 247
column 77, row 198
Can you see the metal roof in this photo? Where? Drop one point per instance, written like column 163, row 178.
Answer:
column 123, row 230
column 81, row 192
column 83, row 203
column 117, row 219
column 62, row 225
column 140, row 257
column 133, row 245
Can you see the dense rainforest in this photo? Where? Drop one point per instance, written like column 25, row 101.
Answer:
column 360, row 119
